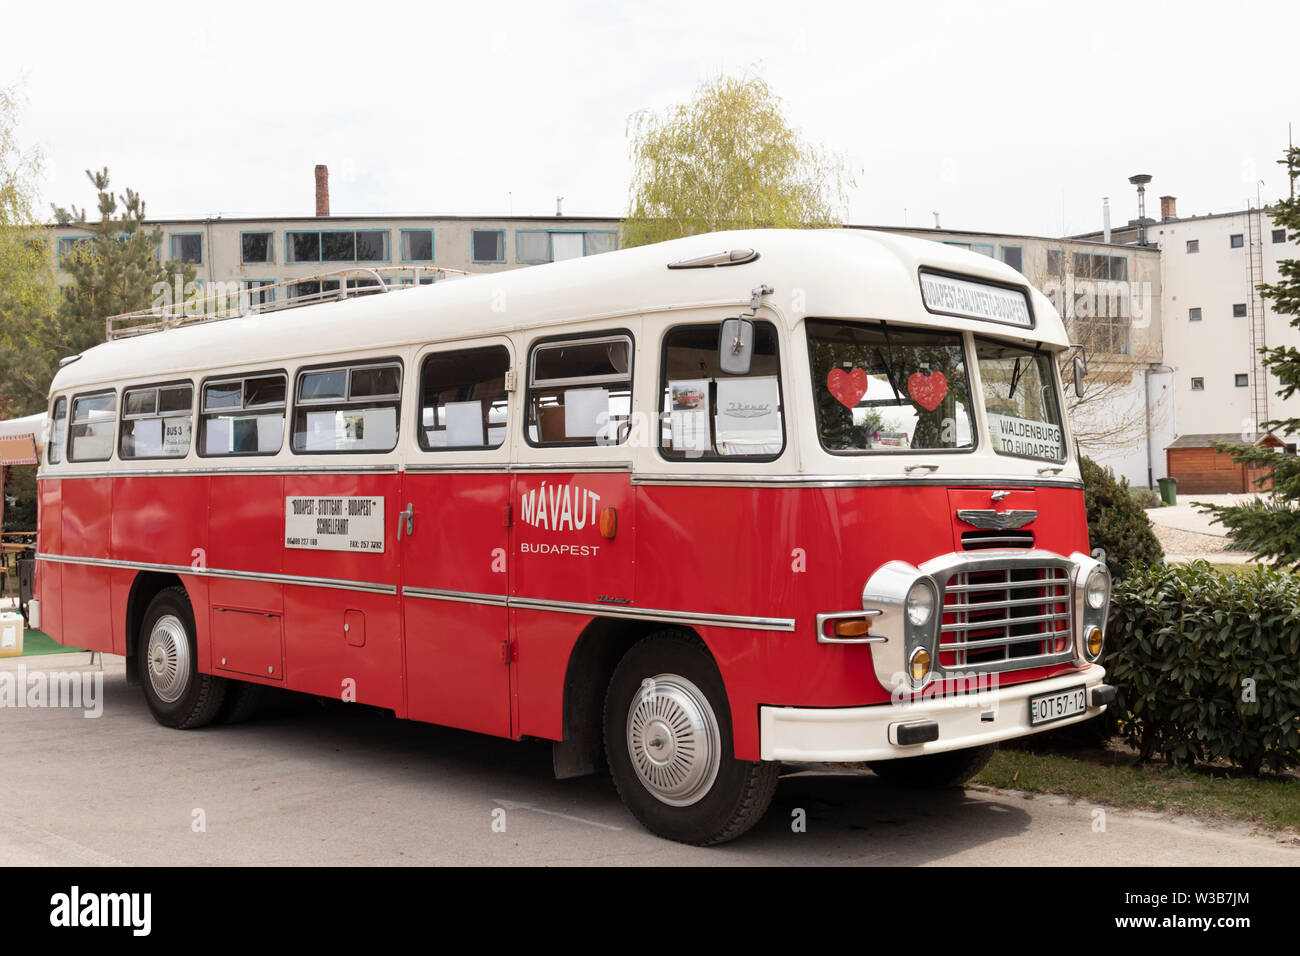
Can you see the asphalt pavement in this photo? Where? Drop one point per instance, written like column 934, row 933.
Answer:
column 333, row 784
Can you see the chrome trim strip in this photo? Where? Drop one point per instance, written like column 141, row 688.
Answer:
column 459, row 597
column 651, row 614
column 823, row 638
column 435, row 594
column 501, row 469
column 845, row 481
column 587, row 466
column 369, row 587
column 209, row 472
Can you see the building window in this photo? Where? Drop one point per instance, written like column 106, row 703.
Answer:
column 1239, row 310
column 314, row 290
column 255, row 293
column 243, row 416
column 1054, row 259
column 1279, row 235
column 347, row 409
column 1241, row 379
column 188, row 247
column 73, row 244
column 580, row 391
column 1091, row 266
column 464, row 399
column 255, row 248
column 1193, row 245
column 1194, row 315
column 366, row 245
column 417, row 245
column 1014, row 256
column 488, row 245
column 156, row 421
column 543, row 245
column 1198, row 384
column 1236, row 240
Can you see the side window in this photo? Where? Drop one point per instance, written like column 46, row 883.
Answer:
column 58, row 431
column 463, row 399
column 93, row 418
column 708, row 414
column 244, row 415
column 580, row 391
column 347, row 408
column 156, row 421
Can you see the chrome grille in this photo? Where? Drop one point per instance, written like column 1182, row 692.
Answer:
column 980, row 540
column 1006, row 618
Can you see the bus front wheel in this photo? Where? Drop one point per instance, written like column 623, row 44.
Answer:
column 177, row 694
column 668, row 741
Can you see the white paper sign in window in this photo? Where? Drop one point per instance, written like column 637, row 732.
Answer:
column 748, row 418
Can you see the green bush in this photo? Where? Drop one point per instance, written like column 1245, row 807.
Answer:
column 1146, row 497
column 1116, row 522
column 1207, row 664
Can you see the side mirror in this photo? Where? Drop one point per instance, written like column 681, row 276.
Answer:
column 1080, row 374
column 736, row 346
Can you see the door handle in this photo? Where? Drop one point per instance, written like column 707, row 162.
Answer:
column 406, row 518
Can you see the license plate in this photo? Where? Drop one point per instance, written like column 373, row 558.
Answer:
column 1049, row 707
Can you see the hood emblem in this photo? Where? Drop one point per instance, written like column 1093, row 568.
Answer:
column 991, row 520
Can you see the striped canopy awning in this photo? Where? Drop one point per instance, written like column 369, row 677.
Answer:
column 20, row 438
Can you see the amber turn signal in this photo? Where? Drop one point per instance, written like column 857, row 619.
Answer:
column 609, row 522
column 852, row 627
column 1094, row 642
column 919, row 665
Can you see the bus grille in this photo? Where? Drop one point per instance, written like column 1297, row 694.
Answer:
column 1006, row 619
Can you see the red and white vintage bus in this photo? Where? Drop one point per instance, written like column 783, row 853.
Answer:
column 691, row 511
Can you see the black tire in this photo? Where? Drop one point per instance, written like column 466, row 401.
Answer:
column 949, row 769
column 698, row 805
column 177, row 694
column 244, row 701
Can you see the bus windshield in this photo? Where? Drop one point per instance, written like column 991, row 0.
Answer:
column 884, row 389
column 1024, row 410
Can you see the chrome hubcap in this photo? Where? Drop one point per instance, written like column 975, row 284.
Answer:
column 673, row 738
column 169, row 659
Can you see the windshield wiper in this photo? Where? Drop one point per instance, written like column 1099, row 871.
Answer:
column 1015, row 379
column 888, row 362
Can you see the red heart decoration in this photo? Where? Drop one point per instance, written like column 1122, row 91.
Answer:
column 928, row 390
column 847, row 387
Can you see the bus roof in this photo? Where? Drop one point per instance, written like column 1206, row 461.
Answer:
column 831, row 273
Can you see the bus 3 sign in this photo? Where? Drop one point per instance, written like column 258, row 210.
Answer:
column 334, row 523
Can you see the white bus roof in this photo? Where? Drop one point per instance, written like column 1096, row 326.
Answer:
column 832, row 273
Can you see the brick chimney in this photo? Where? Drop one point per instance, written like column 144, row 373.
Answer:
column 322, row 190
column 1167, row 210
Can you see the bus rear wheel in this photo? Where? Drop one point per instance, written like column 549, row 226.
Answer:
column 668, row 741
column 177, row 694
column 949, row 769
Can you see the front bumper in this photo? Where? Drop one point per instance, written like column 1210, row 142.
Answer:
column 852, row 734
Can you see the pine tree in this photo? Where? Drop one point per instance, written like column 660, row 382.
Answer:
column 1270, row 528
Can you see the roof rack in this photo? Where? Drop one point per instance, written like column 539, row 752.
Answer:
column 227, row 300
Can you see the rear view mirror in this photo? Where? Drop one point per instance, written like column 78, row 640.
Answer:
column 736, row 346
column 1080, row 374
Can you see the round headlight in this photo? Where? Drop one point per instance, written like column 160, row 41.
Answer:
column 1098, row 588
column 920, row 603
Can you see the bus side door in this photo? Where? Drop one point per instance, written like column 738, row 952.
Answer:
column 454, row 539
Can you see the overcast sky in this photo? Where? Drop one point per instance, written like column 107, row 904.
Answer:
column 1014, row 117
